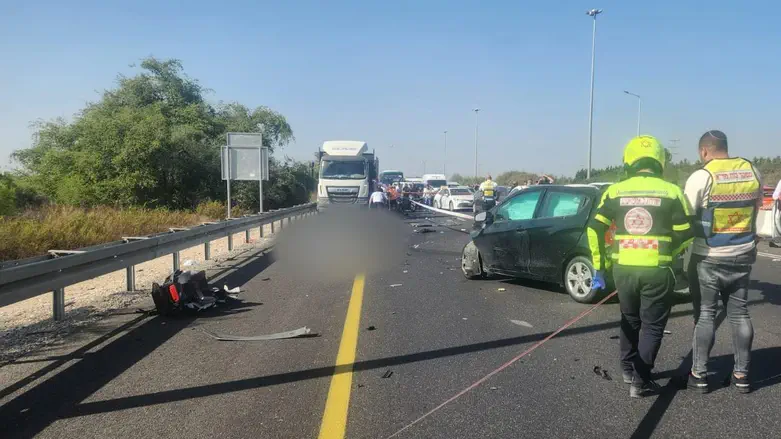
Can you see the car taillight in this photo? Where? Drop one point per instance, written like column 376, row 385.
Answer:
column 610, row 235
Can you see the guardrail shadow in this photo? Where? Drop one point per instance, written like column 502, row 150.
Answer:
column 168, row 396
column 32, row 411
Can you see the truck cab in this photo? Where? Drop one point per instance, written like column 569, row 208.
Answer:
column 347, row 173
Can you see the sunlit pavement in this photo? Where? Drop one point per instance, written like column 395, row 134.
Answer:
column 433, row 333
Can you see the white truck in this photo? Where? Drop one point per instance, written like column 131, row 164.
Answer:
column 348, row 172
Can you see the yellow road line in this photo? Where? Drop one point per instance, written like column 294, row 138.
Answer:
column 334, row 424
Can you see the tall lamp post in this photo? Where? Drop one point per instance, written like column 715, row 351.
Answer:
column 477, row 123
column 592, row 13
column 639, row 102
column 444, row 158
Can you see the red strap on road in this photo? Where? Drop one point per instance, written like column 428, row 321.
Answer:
column 507, row 364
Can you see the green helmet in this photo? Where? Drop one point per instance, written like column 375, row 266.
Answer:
column 642, row 147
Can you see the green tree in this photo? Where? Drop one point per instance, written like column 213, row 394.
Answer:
column 151, row 141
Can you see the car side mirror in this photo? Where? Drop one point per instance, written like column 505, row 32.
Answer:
column 485, row 217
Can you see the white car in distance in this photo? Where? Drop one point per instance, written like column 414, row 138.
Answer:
column 454, row 198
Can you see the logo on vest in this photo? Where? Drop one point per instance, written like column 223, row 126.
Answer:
column 638, row 221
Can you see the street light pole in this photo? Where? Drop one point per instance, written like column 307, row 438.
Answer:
column 592, row 13
column 639, row 102
column 477, row 123
column 444, row 158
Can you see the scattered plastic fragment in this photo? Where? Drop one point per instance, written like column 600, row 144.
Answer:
column 189, row 263
column 501, row 290
column 265, row 278
column 405, row 271
column 521, row 323
column 280, row 335
column 463, row 318
column 236, row 290
column 667, row 332
column 387, row 374
column 395, row 285
column 371, row 328
column 614, row 337
column 494, row 388
column 603, row 373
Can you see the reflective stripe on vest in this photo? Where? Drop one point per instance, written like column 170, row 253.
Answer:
column 729, row 217
column 642, row 250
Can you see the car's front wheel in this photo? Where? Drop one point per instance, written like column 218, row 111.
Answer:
column 577, row 280
column 451, row 206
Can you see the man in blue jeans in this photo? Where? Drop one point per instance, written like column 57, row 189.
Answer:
column 725, row 196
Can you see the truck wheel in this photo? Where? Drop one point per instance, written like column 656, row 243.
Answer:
column 471, row 262
column 577, row 280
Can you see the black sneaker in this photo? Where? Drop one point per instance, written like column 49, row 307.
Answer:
column 699, row 384
column 742, row 383
column 639, row 390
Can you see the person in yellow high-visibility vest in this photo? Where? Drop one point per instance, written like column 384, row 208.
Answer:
column 653, row 227
column 488, row 189
column 725, row 196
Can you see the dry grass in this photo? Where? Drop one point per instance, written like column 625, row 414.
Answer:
column 35, row 232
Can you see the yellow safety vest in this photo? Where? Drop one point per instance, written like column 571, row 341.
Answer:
column 730, row 213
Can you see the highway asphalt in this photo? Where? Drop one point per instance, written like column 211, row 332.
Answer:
column 424, row 334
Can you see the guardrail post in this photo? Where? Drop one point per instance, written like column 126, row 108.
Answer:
column 282, row 224
column 207, row 250
column 131, row 278
column 261, row 230
column 58, row 303
column 230, row 242
column 176, row 261
column 246, row 236
column 272, row 226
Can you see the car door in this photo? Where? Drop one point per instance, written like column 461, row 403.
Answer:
column 556, row 229
column 504, row 244
column 443, row 200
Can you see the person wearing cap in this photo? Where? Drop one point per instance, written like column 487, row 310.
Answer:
column 725, row 196
column 652, row 227
column 488, row 189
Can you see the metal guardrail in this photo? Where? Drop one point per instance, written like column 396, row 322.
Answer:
column 26, row 278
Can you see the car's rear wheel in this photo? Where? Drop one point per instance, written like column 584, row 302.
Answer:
column 471, row 263
column 577, row 280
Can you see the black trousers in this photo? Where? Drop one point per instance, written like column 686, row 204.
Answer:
column 645, row 294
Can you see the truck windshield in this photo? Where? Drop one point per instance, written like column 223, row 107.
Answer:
column 343, row 170
column 436, row 184
column 390, row 178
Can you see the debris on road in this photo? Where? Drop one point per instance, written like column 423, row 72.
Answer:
column 278, row 336
column 395, row 285
column 265, row 278
column 189, row 263
column 371, row 328
column 416, row 246
column 236, row 290
column 421, row 225
column 501, row 290
column 387, row 374
column 425, row 230
column 521, row 323
column 463, row 318
column 494, row 388
column 603, row 373
column 405, row 271
column 614, row 337
column 667, row 332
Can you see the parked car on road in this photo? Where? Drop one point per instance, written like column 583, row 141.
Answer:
column 537, row 233
column 540, row 233
column 453, row 198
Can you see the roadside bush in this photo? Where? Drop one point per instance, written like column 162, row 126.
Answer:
column 7, row 199
column 35, row 232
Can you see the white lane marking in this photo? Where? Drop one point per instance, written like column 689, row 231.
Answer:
column 775, row 258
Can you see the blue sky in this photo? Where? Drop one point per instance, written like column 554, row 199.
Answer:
column 400, row 73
